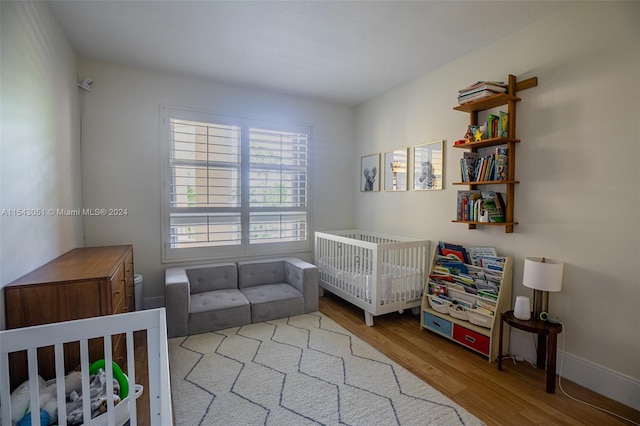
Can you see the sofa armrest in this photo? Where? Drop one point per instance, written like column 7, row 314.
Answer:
column 177, row 293
column 304, row 277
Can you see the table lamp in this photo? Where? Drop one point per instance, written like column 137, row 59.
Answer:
column 542, row 275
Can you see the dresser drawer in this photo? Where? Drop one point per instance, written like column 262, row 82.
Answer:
column 119, row 349
column 437, row 324
column 118, row 292
column 471, row 339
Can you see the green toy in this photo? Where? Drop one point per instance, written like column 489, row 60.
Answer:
column 117, row 374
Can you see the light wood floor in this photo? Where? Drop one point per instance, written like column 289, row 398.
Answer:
column 514, row 396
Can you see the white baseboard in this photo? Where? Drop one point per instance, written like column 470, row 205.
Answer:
column 600, row 379
column 595, row 377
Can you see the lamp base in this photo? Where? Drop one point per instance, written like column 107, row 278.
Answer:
column 540, row 303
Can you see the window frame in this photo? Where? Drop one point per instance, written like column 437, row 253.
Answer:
column 245, row 249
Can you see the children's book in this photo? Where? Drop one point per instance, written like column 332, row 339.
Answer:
column 465, row 203
column 494, row 205
column 459, row 251
column 503, row 125
column 475, row 252
column 501, row 169
column 492, row 263
column 470, row 160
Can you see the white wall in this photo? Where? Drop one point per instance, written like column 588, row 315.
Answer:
column 122, row 168
column 40, row 139
column 578, row 200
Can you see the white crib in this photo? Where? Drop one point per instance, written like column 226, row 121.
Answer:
column 377, row 272
column 152, row 322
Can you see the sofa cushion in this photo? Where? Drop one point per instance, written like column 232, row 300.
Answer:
column 219, row 309
column 218, row 299
column 272, row 301
column 260, row 272
column 213, row 277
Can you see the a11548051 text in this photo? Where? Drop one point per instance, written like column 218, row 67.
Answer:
column 34, row 212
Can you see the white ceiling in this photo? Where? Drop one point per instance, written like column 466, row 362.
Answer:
column 339, row 51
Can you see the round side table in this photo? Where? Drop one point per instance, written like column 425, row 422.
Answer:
column 547, row 343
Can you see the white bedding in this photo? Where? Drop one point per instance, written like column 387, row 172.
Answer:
column 397, row 283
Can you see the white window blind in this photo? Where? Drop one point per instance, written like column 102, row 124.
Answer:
column 233, row 187
column 278, row 186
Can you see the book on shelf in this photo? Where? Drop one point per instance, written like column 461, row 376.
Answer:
column 480, row 90
column 468, row 207
column 498, row 86
column 503, row 207
column 501, row 171
column 503, row 125
column 492, row 127
column 492, row 263
column 482, row 165
column 485, row 173
column 477, row 251
column 489, row 167
column 468, row 97
column 460, row 251
column 456, row 267
column 468, row 164
column 494, row 205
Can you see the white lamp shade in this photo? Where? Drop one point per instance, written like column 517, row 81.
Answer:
column 542, row 274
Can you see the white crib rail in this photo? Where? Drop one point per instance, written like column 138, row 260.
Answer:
column 57, row 334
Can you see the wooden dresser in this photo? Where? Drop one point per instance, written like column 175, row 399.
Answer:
column 82, row 283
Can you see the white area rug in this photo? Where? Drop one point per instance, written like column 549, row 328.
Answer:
column 302, row 370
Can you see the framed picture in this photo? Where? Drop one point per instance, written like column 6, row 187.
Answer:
column 396, row 170
column 369, row 173
column 428, row 166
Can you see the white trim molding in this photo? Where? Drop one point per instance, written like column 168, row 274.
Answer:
column 603, row 380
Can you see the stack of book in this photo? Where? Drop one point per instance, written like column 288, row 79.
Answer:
column 479, row 90
column 476, row 168
column 480, row 206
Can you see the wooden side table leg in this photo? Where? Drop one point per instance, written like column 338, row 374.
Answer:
column 542, row 351
column 551, row 361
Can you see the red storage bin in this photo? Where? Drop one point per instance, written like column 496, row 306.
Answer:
column 471, row 339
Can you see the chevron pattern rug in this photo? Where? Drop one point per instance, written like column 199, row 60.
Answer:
column 302, row 370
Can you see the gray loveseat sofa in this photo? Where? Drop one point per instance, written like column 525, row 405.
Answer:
column 222, row 295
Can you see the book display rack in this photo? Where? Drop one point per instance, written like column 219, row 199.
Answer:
column 466, row 293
